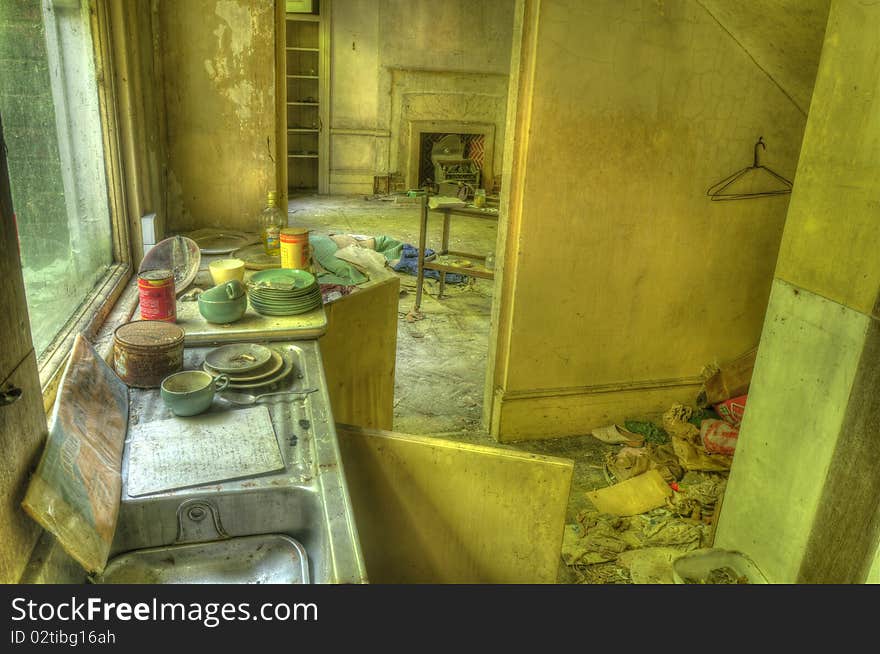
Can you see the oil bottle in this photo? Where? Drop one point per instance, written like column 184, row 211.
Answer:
column 272, row 220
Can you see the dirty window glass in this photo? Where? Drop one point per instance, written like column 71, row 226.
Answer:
column 52, row 128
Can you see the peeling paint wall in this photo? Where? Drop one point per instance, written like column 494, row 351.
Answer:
column 622, row 278
column 219, row 67
column 395, row 61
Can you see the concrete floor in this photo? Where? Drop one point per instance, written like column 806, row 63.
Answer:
column 441, row 360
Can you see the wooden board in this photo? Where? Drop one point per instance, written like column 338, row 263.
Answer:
column 430, row 510
column 22, row 432
column 252, row 326
column 22, row 423
column 76, row 490
column 359, row 352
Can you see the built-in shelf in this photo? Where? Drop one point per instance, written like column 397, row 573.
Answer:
column 311, row 18
column 304, row 85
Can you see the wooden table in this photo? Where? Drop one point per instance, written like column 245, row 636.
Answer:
column 469, row 212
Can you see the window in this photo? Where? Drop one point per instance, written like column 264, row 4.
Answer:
column 55, row 149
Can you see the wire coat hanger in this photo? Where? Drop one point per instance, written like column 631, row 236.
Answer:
column 716, row 191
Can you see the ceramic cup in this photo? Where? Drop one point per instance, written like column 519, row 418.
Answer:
column 224, row 270
column 191, row 392
column 224, row 303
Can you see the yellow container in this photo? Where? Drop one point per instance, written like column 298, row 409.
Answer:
column 225, row 270
column 295, row 248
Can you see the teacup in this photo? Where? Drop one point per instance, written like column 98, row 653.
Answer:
column 224, row 303
column 225, row 270
column 191, row 392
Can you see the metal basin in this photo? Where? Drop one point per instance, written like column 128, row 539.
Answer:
column 271, row 559
column 307, row 502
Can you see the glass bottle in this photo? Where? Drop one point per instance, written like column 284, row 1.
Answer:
column 480, row 198
column 272, row 219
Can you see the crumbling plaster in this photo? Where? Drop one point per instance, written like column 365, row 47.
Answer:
column 218, row 58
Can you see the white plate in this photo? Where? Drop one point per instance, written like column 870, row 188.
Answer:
column 218, row 241
column 178, row 254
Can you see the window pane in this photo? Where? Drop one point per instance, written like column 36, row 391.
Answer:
column 52, row 125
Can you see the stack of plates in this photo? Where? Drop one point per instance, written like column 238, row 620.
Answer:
column 284, row 292
column 248, row 365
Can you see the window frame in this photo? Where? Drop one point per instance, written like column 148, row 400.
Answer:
column 97, row 305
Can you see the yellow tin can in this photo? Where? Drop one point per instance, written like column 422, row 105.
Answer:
column 295, row 248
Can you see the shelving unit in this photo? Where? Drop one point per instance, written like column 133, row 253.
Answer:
column 306, row 87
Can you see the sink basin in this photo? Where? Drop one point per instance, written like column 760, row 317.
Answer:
column 307, row 503
column 271, row 559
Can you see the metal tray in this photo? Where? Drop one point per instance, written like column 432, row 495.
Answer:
column 265, row 559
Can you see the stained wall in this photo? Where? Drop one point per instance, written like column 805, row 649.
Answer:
column 621, row 277
column 218, row 59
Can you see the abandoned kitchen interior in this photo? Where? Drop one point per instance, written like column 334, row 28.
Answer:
column 473, row 291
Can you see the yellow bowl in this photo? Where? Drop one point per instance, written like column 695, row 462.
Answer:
column 224, row 270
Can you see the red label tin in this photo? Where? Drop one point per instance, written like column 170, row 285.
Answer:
column 156, row 290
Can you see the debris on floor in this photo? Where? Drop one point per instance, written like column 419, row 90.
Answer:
column 602, row 538
column 716, row 566
column 631, row 461
column 729, row 380
column 650, row 565
column 635, row 495
column 732, row 410
column 660, row 501
column 651, row 432
column 617, row 435
column 409, row 263
column 719, row 436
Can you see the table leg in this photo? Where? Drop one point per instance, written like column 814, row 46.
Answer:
column 444, row 249
column 423, row 235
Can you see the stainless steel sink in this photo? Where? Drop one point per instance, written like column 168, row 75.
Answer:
column 269, row 559
column 308, row 501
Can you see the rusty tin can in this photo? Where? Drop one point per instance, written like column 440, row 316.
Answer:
column 147, row 351
column 295, row 248
column 157, row 299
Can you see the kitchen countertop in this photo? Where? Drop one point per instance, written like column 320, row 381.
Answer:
column 251, row 327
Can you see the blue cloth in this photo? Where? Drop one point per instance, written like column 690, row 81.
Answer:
column 409, row 263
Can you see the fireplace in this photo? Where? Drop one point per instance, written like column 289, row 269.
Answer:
column 473, row 151
column 479, row 146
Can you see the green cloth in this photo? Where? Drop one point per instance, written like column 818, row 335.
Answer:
column 389, row 247
column 342, row 272
column 338, row 271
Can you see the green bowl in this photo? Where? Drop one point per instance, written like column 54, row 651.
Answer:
column 221, row 312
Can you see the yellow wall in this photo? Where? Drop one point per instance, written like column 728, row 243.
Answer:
column 621, row 278
column 218, row 58
column 809, row 436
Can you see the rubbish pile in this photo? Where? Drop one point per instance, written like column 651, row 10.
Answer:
column 665, row 485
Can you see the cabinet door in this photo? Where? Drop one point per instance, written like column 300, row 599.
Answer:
column 430, row 510
column 22, row 420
